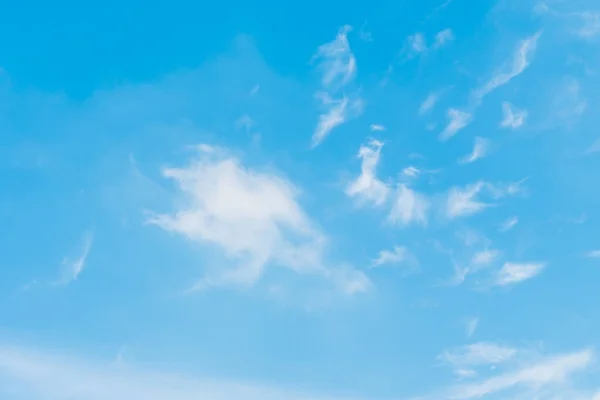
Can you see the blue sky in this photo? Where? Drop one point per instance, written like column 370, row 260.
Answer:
column 380, row 200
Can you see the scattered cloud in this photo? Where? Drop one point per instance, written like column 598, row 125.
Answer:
column 512, row 117
column 428, row 104
column 485, row 257
column 552, row 370
column 38, row 375
column 513, row 273
column 409, row 207
column 337, row 111
column 367, row 187
column 480, row 150
column 463, row 202
column 252, row 217
column 337, row 63
column 254, row 89
column 509, row 224
column 477, row 354
column 443, row 37
column 594, row 148
column 416, row 44
column 458, row 120
column 521, row 60
column 593, row 254
column 377, row 128
column 398, row 255
column 411, row 172
column 590, row 27
column 73, row 268
column 471, row 327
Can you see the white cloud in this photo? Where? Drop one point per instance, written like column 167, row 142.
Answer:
column 513, row 273
column 398, row 255
column 338, row 66
column 471, row 327
column 428, row 103
column 409, row 207
column 485, row 257
column 417, row 43
column 477, row 354
column 458, row 120
column 255, row 89
column 553, row 370
column 73, row 268
column 591, row 24
column 593, row 254
column 443, row 37
column 336, row 61
column 521, row 60
column 377, row 128
column 509, row 224
column 336, row 112
column 463, row 202
column 367, row 187
column 480, row 150
column 594, row 148
column 512, row 117
column 411, row 172
column 252, row 217
column 42, row 375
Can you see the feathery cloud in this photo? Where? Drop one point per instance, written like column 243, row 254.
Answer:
column 428, row 104
column 377, row 128
column 594, row 148
column 409, row 207
column 48, row 375
column 553, row 370
column 398, row 255
column 509, row 224
column 443, row 37
column 512, row 117
column 593, row 254
column 73, row 268
column 476, row 354
column 471, row 327
column 253, row 217
column 480, row 150
column 458, row 120
column 337, row 64
column 513, row 273
column 463, row 202
column 367, row 187
column 521, row 60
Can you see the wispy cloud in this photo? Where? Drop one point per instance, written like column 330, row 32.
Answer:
column 252, row 217
column 553, row 370
column 377, row 128
column 594, row 148
column 73, row 268
column 509, row 224
column 367, row 187
column 512, row 273
column 480, row 150
column 463, row 202
column 593, row 254
column 522, row 58
column 458, row 120
column 443, row 37
column 409, row 207
column 471, row 327
column 397, row 255
column 428, row 104
column 337, row 111
column 512, row 117
column 40, row 375
column 477, row 354
column 337, row 63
